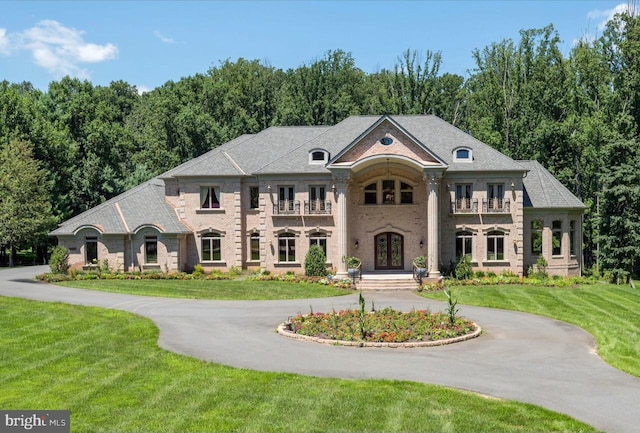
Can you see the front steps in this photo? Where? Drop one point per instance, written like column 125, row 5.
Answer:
column 387, row 281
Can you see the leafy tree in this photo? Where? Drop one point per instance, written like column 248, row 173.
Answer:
column 25, row 210
column 323, row 93
column 620, row 207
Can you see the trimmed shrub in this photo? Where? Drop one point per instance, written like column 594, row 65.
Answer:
column 59, row 261
column 315, row 263
column 464, row 271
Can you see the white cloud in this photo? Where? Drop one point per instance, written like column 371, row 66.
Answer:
column 143, row 89
column 58, row 49
column 163, row 38
column 601, row 18
column 604, row 16
column 4, row 42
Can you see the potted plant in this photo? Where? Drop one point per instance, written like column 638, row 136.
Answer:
column 353, row 265
column 420, row 263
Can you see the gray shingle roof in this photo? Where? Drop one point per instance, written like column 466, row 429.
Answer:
column 142, row 205
column 442, row 138
column 285, row 150
column 543, row 191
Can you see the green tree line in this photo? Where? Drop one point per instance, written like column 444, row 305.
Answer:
column 578, row 113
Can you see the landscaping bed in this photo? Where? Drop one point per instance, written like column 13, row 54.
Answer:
column 386, row 327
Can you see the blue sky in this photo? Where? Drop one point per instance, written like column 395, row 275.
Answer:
column 147, row 43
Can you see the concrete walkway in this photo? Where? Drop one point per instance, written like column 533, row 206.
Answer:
column 520, row 357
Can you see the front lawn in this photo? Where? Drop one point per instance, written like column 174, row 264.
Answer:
column 238, row 289
column 106, row 368
column 609, row 312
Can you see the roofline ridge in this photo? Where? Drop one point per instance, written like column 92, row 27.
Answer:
column 112, row 200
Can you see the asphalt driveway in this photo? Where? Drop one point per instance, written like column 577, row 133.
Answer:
column 519, row 357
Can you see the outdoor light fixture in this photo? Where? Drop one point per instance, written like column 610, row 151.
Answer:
column 357, row 244
column 421, row 243
column 333, row 187
column 269, row 188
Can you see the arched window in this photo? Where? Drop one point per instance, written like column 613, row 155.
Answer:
column 318, row 157
column 211, row 247
column 406, row 193
column 371, row 193
column 392, row 191
column 463, row 155
column 495, row 245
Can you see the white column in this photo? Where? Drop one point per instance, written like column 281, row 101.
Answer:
column 341, row 182
column 433, row 228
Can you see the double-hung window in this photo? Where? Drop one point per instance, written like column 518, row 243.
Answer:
column 254, row 197
column 464, row 241
column 254, row 246
column 211, row 247
column 319, row 239
column 572, row 238
column 495, row 245
column 209, row 197
column 556, row 229
column 287, row 247
column 536, row 237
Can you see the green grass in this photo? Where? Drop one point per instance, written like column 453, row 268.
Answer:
column 106, row 367
column 212, row 289
column 610, row 313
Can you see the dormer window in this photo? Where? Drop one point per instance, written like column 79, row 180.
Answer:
column 318, row 157
column 463, row 154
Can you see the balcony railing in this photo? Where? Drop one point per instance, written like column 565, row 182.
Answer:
column 317, row 207
column 465, row 206
column 496, row 205
column 287, row 207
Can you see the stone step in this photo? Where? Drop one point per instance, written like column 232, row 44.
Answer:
column 387, row 284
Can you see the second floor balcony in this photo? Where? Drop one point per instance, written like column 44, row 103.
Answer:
column 467, row 206
column 287, row 207
column 311, row 207
column 496, row 205
column 317, row 207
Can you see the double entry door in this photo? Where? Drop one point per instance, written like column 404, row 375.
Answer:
column 389, row 251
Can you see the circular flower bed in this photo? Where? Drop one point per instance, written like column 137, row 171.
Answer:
column 385, row 327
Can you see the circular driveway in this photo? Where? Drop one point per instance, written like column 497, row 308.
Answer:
column 519, row 357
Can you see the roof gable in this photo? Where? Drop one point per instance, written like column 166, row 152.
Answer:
column 386, row 137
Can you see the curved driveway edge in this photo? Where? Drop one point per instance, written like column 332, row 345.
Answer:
column 519, row 357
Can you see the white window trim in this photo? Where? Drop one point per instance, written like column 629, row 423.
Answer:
column 201, row 209
column 466, row 160
column 323, row 161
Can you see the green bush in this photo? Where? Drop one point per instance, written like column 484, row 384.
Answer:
column 59, row 261
column 464, row 271
column 315, row 262
column 198, row 270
